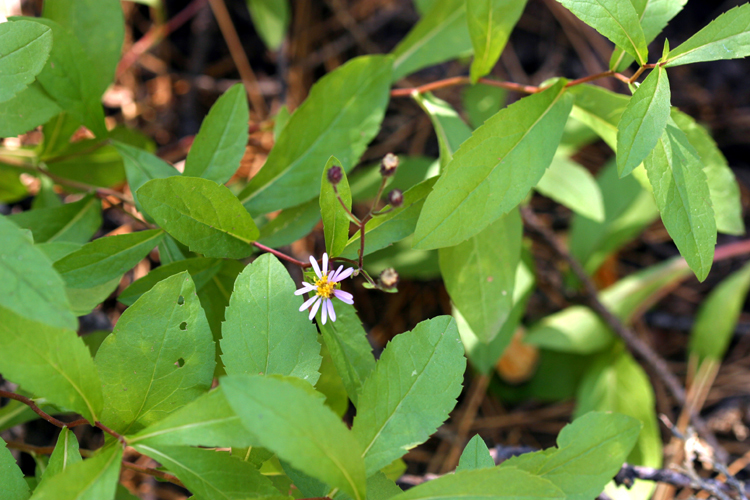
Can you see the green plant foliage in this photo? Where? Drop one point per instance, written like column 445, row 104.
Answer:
column 30, row 285
column 159, row 357
column 142, row 166
column 330, row 384
column 65, row 455
column 490, row 23
column 682, row 195
column 570, row 184
column 643, row 121
column 11, row 477
column 600, row 110
column 24, row 48
column 220, row 143
column 335, row 218
column 480, row 275
column 450, row 128
column 264, row 332
column 508, row 155
column 410, row 393
column 482, row 101
column 73, row 222
column 29, row 108
column 271, row 20
column 412, row 170
column 300, row 429
column 726, row 37
column 201, row 214
column 290, row 225
column 319, row 128
column 475, row 455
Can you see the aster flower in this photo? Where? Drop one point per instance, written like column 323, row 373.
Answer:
column 325, row 287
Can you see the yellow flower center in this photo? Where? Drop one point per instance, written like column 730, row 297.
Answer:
column 325, row 287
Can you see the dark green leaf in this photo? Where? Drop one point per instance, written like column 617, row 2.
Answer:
column 490, row 24
column 475, row 456
column 56, row 250
column 73, row 222
column 11, row 187
column 142, row 166
column 24, row 48
column 201, row 270
column 271, row 20
column 570, row 184
column 11, row 477
column 330, row 384
column 335, row 219
column 28, row 109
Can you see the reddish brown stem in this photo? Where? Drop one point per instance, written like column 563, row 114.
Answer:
column 282, row 256
column 30, row 403
column 152, row 472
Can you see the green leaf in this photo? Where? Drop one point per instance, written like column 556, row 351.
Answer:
column 158, row 358
column 490, row 24
column 84, row 300
column 480, row 274
column 616, row 20
column 92, row 479
column 207, row 421
column 107, row 258
column 589, row 453
column 201, row 270
column 450, row 128
column 69, row 78
column 718, row 315
column 29, row 285
column 300, row 429
column 411, row 392
column 507, row 157
column 290, row 225
column 280, row 121
column 726, row 37
column 73, row 222
column 201, row 214
column 475, row 456
column 495, row 483
column 725, row 192
column 264, row 332
column 644, row 121
column 64, row 456
column 29, row 108
column 330, row 384
column 50, row 362
column 142, row 166
column 350, row 350
column 319, row 128
column 271, row 20
column 220, row 143
column 335, row 219
column 89, row 163
column 210, row 474
column 57, row 135
column 170, row 250
column 11, row 477
column 100, row 27
column 15, row 413
column 570, row 184
column 600, row 109
column 441, row 35
column 24, row 48
column 482, row 101
column 12, row 189
column 684, row 201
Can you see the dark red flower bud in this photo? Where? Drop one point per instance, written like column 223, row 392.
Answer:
column 396, row 198
column 335, row 174
column 389, row 165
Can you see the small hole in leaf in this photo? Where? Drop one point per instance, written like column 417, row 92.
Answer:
column 180, row 362
column 181, row 300
column 183, row 326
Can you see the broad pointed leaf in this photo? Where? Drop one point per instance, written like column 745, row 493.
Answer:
column 73, row 222
column 24, row 48
column 570, row 184
column 475, row 456
column 65, row 454
column 11, row 477
column 29, row 108
column 201, row 270
column 142, row 166
column 450, row 128
column 271, row 20
column 92, row 479
column 490, row 24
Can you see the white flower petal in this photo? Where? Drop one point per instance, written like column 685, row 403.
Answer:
column 345, row 297
column 308, row 303
column 324, row 310
column 314, row 309
column 332, row 277
column 325, row 263
column 315, row 266
column 306, row 287
column 343, row 275
column 331, row 312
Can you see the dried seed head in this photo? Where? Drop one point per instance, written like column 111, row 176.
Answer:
column 389, row 165
column 388, row 278
column 396, row 198
column 335, row 174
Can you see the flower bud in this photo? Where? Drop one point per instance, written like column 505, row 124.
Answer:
column 396, row 198
column 388, row 278
column 335, row 174
column 389, row 165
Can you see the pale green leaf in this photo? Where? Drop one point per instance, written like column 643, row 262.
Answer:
column 490, row 24
column 92, row 479
column 441, row 35
column 480, row 274
column 65, row 455
column 201, row 214
column 142, row 166
column 201, row 270
column 570, row 184
column 684, row 201
column 290, row 225
column 411, row 391
column 726, row 37
column 476, row 455
column 350, row 350
column 616, row 20
column 24, row 48
column 271, row 20
column 220, row 143
column 73, row 222
column 264, row 332
column 280, row 121
column 335, row 219
column 450, row 128
column 599, row 109
column 56, row 250
column 84, row 300
column 643, row 121
column 482, row 101
column 100, row 27
column 29, row 108
column 11, row 477
column 158, row 358
column 106, row 258
column 210, row 474
column 507, row 157
column 717, row 317
column 12, row 189
column 323, row 126
column 29, row 285
column 300, row 429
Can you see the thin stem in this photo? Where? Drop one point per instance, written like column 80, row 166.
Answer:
column 637, row 74
column 282, row 256
column 375, row 202
column 31, row 404
column 112, row 433
column 343, row 205
column 590, row 78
